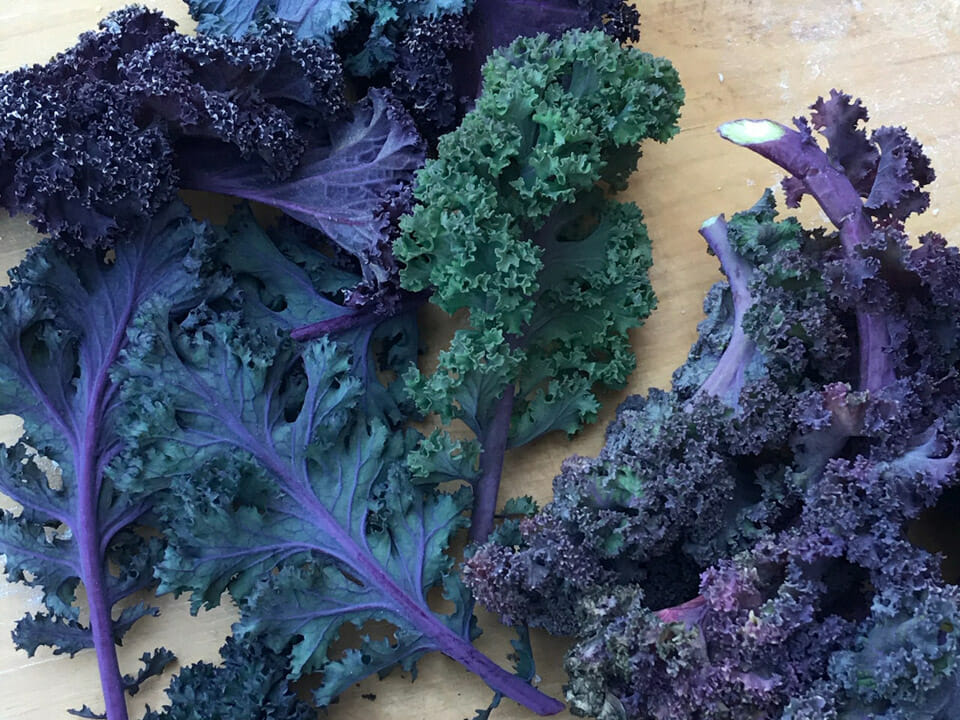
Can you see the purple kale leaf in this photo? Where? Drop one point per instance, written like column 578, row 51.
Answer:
column 63, row 323
column 89, row 142
column 839, row 606
column 838, row 120
column 888, row 169
column 340, row 185
column 305, row 513
column 367, row 31
column 424, row 77
column 410, row 47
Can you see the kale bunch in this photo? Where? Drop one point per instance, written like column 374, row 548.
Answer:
column 743, row 546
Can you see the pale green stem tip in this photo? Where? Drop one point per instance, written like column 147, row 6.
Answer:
column 709, row 221
column 751, row 132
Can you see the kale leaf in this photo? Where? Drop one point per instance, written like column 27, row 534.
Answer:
column 512, row 224
column 76, row 526
column 340, row 185
column 88, row 142
column 281, row 486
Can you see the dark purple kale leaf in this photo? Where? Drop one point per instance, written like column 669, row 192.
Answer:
column 339, row 186
column 888, row 168
column 407, row 46
column 89, row 142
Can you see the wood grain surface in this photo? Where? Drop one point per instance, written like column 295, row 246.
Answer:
column 736, row 58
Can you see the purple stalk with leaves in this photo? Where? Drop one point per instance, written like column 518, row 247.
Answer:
column 815, row 172
column 55, row 370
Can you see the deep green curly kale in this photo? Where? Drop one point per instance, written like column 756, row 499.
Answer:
column 514, row 223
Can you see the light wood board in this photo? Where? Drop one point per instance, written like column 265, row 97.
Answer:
column 736, row 58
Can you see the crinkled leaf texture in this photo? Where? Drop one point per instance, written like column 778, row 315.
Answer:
column 381, row 21
column 341, row 184
column 497, row 23
column 291, row 283
column 553, row 273
column 89, row 143
column 513, row 223
column 63, row 323
column 292, row 497
column 250, row 683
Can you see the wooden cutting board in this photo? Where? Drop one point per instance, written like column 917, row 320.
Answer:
column 736, row 58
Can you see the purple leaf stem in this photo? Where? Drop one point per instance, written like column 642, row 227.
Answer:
column 494, row 446
column 456, row 647
column 726, row 380
column 360, row 559
column 799, row 155
column 87, row 526
column 357, row 319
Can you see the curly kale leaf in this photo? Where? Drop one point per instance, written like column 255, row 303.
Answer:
column 75, row 525
column 305, row 514
column 251, row 683
column 511, row 224
column 90, row 143
column 838, row 616
column 888, row 169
